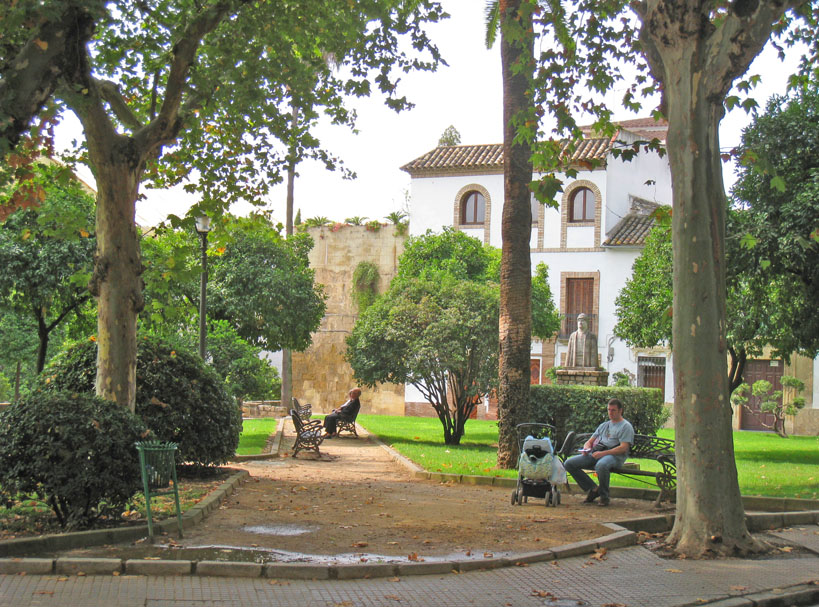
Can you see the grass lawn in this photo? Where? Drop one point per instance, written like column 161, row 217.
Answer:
column 255, row 433
column 766, row 464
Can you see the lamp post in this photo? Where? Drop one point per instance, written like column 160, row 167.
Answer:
column 203, row 227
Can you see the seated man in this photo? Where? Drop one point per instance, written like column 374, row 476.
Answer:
column 347, row 412
column 606, row 449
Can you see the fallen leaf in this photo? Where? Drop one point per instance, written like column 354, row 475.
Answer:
column 44, row 592
column 786, row 549
column 115, row 573
column 600, row 554
column 41, row 43
column 395, row 579
column 674, row 570
column 541, row 593
column 519, row 564
column 81, row 574
column 360, row 545
column 488, row 555
column 739, row 588
column 392, row 597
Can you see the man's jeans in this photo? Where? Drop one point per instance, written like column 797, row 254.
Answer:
column 575, row 466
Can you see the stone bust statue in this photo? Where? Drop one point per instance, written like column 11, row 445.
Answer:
column 582, row 345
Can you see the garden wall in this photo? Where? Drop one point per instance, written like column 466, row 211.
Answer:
column 321, row 376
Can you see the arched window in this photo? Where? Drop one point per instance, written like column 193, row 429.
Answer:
column 473, row 208
column 582, row 204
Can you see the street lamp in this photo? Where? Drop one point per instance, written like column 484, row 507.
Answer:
column 203, row 227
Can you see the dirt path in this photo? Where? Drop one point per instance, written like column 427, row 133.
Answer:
column 355, row 499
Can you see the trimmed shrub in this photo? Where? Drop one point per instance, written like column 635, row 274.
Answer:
column 74, row 452
column 583, row 408
column 177, row 396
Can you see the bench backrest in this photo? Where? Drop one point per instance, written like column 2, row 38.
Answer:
column 651, row 447
column 297, row 421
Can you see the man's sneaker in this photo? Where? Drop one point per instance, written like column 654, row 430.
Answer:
column 604, row 501
column 592, row 495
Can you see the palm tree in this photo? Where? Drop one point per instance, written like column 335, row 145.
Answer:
column 516, row 225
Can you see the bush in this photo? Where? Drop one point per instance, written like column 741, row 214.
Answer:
column 74, row 452
column 583, row 408
column 177, row 396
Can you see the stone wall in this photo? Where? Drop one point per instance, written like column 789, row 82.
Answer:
column 320, row 374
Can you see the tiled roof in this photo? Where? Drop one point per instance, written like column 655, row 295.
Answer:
column 631, row 230
column 489, row 157
column 646, row 128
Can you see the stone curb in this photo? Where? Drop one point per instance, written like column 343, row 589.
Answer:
column 274, row 446
column 97, row 537
column 788, row 596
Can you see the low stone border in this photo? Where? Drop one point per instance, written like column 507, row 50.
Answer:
column 97, row 537
column 298, row 571
column 272, row 446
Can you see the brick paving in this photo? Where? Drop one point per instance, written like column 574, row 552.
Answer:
column 634, row 577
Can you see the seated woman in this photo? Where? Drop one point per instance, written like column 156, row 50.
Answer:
column 347, row 411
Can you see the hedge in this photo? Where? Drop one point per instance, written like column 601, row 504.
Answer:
column 583, row 408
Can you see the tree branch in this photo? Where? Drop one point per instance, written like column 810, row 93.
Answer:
column 109, row 91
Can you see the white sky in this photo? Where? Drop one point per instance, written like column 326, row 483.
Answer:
column 466, row 94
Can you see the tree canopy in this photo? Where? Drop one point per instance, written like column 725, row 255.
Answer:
column 47, row 255
column 201, row 92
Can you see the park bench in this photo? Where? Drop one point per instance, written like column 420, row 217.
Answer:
column 346, row 424
column 645, row 447
column 304, row 411
column 309, row 434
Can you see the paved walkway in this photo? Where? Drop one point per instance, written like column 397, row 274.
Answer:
column 632, row 577
column 626, row 577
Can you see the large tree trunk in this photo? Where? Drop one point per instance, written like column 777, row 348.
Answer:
column 697, row 58
column 117, row 280
column 710, row 516
column 516, row 228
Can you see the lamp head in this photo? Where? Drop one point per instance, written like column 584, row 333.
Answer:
column 203, row 224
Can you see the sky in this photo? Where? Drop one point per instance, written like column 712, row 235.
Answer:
column 466, row 94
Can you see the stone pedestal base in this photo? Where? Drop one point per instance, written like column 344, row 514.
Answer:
column 584, row 376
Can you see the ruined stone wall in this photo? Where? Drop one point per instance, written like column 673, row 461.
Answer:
column 320, row 374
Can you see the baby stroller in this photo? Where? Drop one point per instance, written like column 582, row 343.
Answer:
column 539, row 470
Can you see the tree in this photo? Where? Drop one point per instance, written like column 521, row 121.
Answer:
column 46, row 256
column 439, row 335
column 168, row 90
column 771, row 400
column 545, row 315
column 517, row 62
column 777, row 201
column 264, row 286
column 260, row 283
column 450, row 136
column 692, row 53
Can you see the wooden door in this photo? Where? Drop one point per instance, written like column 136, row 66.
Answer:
column 751, row 417
column 579, row 300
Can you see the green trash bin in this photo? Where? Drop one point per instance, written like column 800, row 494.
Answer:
column 158, row 466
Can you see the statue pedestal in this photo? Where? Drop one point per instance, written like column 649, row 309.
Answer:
column 583, row 376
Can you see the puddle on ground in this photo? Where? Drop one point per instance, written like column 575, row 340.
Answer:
column 262, row 555
column 278, row 529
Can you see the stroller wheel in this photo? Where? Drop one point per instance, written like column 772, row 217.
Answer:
column 514, row 497
column 548, row 499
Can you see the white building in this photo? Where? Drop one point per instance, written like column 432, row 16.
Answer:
column 589, row 238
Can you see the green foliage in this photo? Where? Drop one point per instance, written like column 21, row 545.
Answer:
column 776, row 200
column 317, row 222
column 297, row 219
column 771, row 401
column 178, row 397
column 264, row 286
column 46, row 257
column 74, row 451
column 440, row 336
column 355, row 220
column 583, row 408
column 545, row 315
column 451, row 252
column 6, row 389
column 373, row 226
column 643, row 306
column 449, row 137
column 623, row 379
column 365, row 284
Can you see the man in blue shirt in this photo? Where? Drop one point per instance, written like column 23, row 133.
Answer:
column 606, row 449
